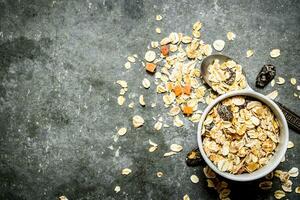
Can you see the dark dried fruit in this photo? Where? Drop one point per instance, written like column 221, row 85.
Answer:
column 265, row 76
column 225, row 113
column 193, row 158
column 231, row 78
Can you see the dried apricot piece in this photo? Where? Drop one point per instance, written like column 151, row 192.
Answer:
column 177, row 90
column 187, row 110
column 150, row 67
column 187, row 89
column 164, row 50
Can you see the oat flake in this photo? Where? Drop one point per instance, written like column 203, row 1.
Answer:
column 219, row 45
column 194, row 179
column 126, row 171
column 275, row 53
column 176, row 147
column 137, row 121
column 122, row 131
column 117, row 189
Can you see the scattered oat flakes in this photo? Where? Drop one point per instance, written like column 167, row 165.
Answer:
column 219, row 45
column 150, row 56
column 131, row 59
column 146, row 83
column 63, row 198
column 186, row 197
column 176, row 147
column 171, row 153
column 249, row 53
column 293, row 81
column 294, row 172
column 197, row 26
column 141, row 100
column 126, row 171
column 177, row 121
column 290, row 145
column 122, row 131
column 158, row 17
column 157, row 30
column 208, row 172
column 159, row 174
column 137, row 121
column 117, row 189
column 298, row 87
column 273, row 95
column 152, row 149
column 297, row 190
column 265, row 185
column 121, row 100
column 280, row 81
column 122, row 83
column 158, row 125
column 273, row 83
column 131, row 105
column 194, row 179
column 127, row 65
column 279, row 194
column 275, row 53
column 231, row 36
column 154, row 44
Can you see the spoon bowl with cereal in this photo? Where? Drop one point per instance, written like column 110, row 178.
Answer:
column 242, row 134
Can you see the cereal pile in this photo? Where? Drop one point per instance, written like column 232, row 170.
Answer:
column 227, row 76
column 240, row 135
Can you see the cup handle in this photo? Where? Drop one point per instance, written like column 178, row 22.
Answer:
column 292, row 118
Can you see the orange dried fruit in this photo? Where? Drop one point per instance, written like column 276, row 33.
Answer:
column 150, row 67
column 187, row 89
column 187, row 110
column 164, row 50
column 177, row 90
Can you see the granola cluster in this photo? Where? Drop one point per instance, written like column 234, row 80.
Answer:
column 240, row 135
column 227, row 76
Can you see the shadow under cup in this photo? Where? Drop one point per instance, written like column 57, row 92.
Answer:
column 279, row 151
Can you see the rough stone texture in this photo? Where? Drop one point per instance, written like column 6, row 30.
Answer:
column 59, row 61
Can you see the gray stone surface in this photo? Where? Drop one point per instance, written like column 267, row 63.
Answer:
column 59, row 61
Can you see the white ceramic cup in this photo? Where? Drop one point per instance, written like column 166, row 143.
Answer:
column 279, row 151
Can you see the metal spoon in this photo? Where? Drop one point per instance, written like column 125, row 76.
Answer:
column 292, row 118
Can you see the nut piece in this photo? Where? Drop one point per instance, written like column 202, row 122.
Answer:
column 150, row 56
column 219, row 45
column 231, row 36
column 122, row 131
column 117, row 189
column 194, row 179
column 137, row 121
column 275, row 53
column 146, row 83
column 176, row 147
column 126, row 171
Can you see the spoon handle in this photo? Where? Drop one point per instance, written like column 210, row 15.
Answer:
column 292, row 118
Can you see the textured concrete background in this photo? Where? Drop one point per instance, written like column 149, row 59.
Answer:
column 59, row 61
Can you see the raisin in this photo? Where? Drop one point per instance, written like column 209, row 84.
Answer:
column 194, row 158
column 265, row 76
column 225, row 113
column 230, row 80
